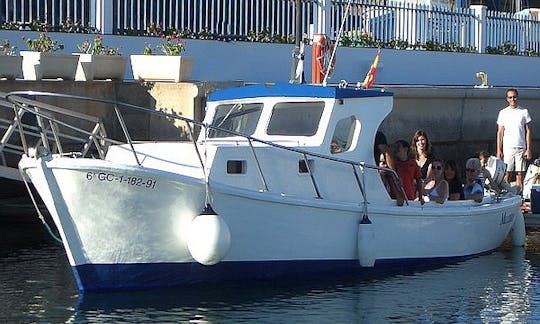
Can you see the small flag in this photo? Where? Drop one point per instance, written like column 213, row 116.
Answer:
column 370, row 76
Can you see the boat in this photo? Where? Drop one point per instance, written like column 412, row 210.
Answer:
column 278, row 180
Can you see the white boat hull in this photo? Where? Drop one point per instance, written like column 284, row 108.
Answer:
column 127, row 227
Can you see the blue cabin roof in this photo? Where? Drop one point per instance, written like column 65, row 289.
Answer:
column 293, row 90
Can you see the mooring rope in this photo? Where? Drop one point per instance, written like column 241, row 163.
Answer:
column 40, row 215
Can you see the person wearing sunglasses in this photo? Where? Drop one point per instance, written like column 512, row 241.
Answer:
column 436, row 189
column 473, row 189
column 514, row 137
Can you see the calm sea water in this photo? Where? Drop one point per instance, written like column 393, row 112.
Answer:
column 36, row 285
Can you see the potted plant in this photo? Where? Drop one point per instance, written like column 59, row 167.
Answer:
column 41, row 62
column 99, row 62
column 10, row 63
column 169, row 66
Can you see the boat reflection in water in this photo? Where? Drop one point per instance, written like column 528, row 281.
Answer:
column 492, row 288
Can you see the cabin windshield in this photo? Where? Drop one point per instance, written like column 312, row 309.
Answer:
column 240, row 118
column 295, row 118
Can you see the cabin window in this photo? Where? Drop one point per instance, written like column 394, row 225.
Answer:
column 240, row 118
column 295, row 118
column 344, row 135
column 236, row 167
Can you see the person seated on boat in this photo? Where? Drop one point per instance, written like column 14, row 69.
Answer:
column 422, row 152
column 391, row 183
column 485, row 175
column 455, row 185
column 335, row 147
column 380, row 151
column 436, row 188
column 473, row 189
column 408, row 171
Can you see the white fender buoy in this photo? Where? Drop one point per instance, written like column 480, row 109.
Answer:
column 366, row 244
column 519, row 236
column 209, row 237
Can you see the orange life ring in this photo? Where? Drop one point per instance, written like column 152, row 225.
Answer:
column 321, row 60
column 327, row 63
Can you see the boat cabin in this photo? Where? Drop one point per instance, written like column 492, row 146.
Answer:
column 327, row 120
column 264, row 131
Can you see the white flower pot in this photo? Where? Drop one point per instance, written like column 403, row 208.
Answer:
column 161, row 67
column 100, row 67
column 10, row 67
column 37, row 66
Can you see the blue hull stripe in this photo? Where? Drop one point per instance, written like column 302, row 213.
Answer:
column 102, row 277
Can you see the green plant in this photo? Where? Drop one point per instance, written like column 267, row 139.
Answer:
column 96, row 47
column 35, row 25
column 7, row 49
column 506, row 48
column 11, row 25
column 70, row 26
column 153, row 30
column 147, row 49
column 170, row 45
column 43, row 44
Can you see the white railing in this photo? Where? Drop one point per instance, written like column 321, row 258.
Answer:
column 413, row 23
column 474, row 28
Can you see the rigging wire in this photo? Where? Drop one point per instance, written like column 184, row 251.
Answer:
column 345, row 14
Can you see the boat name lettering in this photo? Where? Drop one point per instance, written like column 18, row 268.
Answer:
column 111, row 177
column 507, row 218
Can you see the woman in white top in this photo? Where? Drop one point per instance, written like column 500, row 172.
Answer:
column 436, row 188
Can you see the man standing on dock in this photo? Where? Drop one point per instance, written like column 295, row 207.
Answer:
column 514, row 137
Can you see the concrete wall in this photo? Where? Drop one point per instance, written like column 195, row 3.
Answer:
column 257, row 62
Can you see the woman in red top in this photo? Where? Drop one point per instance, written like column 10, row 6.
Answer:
column 408, row 171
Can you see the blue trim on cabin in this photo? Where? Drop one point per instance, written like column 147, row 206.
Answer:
column 106, row 277
column 293, row 90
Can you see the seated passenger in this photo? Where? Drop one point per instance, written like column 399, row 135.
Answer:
column 408, row 171
column 422, row 152
column 436, row 188
column 451, row 175
column 473, row 189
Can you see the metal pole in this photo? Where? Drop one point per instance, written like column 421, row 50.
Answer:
column 296, row 55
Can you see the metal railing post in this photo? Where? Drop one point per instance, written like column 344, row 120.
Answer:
column 312, row 177
column 261, row 175
column 480, row 12
column 103, row 15
column 126, row 133
column 322, row 19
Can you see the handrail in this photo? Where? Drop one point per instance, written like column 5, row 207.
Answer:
column 11, row 125
column 18, row 99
